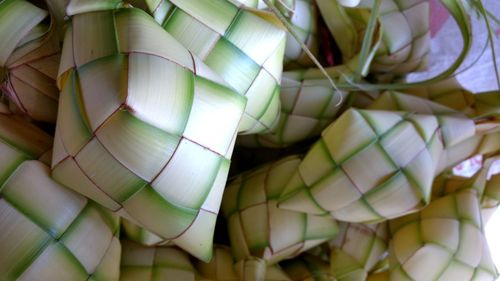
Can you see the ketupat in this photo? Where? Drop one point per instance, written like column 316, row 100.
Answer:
column 126, row 140
column 370, row 166
column 48, row 230
column 29, row 60
column 258, row 228
column 444, row 241
column 387, row 101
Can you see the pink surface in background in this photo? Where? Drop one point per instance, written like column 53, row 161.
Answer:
column 439, row 15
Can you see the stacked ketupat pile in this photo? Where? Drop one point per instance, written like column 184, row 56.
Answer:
column 150, row 97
